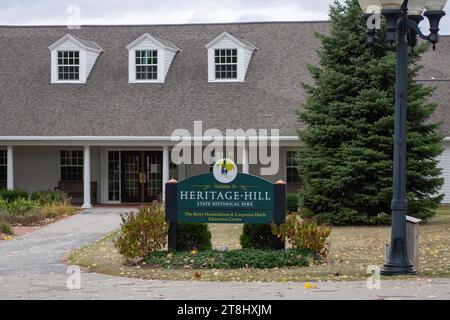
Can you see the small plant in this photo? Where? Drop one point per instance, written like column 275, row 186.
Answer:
column 50, row 197
column 11, row 195
column 304, row 234
column 292, row 202
column 258, row 236
column 193, row 237
column 58, row 209
column 5, row 228
column 142, row 233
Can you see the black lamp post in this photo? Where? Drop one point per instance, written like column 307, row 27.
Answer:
column 403, row 18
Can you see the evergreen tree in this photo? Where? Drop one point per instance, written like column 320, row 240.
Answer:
column 346, row 164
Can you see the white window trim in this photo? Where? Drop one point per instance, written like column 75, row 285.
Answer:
column 132, row 65
column 212, row 64
column 73, row 65
column 82, row 67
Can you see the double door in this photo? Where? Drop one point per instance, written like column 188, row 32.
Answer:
column 141, row 176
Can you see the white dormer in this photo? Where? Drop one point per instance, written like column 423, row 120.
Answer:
column 149, row 59
column 228, row 58
column 72, row 59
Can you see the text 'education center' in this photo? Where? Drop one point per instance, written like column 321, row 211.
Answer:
column 99, row 104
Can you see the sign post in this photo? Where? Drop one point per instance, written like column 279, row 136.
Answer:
column 224, row 196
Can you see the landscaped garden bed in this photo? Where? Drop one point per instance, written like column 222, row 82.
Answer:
column 19, row 212
column 235, row 259
column 351, row 251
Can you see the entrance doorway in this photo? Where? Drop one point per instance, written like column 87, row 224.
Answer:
column 141, row 176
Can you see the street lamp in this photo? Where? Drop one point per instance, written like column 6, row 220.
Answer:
column 403, row 18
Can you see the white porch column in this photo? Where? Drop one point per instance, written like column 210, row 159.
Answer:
column 165, row 174
column 10, row 169
column 87, row 178
column 245, row 164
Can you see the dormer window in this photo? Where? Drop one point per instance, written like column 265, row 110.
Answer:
column 68, row 65
column 228, row 58
column 146, row 64
column 73, row 58
column 149, row 59
column 226, row 63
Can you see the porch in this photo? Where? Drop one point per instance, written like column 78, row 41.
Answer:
column 112, row 174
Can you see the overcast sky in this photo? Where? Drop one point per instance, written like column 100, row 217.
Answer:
column 50, row 12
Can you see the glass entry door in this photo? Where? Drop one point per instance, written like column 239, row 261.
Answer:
column 141, row 176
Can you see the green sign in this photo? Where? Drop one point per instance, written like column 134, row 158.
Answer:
column 223, row 196
column 247, row 199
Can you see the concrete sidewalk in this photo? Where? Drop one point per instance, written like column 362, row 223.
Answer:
column 94, row 286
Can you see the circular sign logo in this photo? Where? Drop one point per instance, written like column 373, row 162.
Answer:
column 225, row 170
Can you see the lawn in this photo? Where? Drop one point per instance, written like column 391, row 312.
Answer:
column 353, row 249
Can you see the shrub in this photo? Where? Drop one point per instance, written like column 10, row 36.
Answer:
column 258, row 236
column 21, row 205
column 292, row 202
column 304, row 234
column 142, row 232
column 21, row 211
column 28, row 218
column 5, row 228
column 237, row 259
column 50, row 197
column 3, row 204
column 11, row 195
column 58, row 209
column 193, row 236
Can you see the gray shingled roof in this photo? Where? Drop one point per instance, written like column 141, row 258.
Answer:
column 88, row 43
column 107, row 105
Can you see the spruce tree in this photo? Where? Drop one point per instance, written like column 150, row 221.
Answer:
column 348, row 116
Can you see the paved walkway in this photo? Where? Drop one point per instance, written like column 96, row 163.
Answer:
column 31, row 268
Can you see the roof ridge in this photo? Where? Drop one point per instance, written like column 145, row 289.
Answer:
column 171, row 24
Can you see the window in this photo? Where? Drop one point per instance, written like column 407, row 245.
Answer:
column 114, row 176
column 292, row 175
column 173, row 170
column 146, row 64
column 71, row 165
column 68, row 65
column 226, row 63
column 3, row 165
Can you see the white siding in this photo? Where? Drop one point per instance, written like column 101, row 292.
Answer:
column 444, row 162
column 247, row 57
column 170, row 55
column 91, row 57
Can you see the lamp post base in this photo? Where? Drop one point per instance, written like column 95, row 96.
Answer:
column 398, row 262
column 395, row 270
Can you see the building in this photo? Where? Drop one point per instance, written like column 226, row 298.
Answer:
column 100, row 104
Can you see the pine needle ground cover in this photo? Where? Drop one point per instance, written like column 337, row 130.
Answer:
column 352, row 250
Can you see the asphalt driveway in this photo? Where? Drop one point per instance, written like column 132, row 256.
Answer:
column 40, row 252
column 31, row 268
